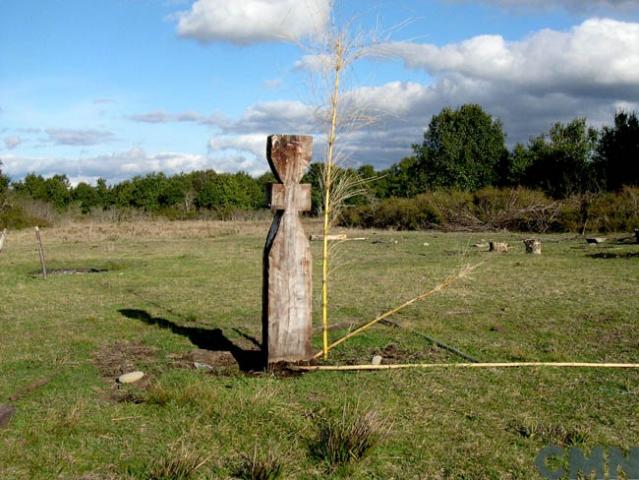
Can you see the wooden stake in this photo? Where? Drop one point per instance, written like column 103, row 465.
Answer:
column 312, row 368
column 41, row 251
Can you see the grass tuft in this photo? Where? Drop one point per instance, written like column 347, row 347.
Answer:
column 179, row 464
column 346, row 439
column 256, row 467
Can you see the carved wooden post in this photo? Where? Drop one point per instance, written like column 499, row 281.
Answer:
column 287, row 289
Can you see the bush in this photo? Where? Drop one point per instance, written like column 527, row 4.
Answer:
column 14, row 217
column 517, row 209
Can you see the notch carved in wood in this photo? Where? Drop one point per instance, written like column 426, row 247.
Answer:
column 287, row 289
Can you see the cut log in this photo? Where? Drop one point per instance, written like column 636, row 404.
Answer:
column 533, row 246
column 330, row 238
column 499, row 247
column 595, row 240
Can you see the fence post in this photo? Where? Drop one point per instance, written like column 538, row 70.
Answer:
column 41, row 251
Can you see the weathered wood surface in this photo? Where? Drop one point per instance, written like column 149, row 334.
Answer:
column 41, row 252
column 499, row 247
column 331, row 238
column 6, row 412
column 533, row 246
column 287, row 290
column 3, row 239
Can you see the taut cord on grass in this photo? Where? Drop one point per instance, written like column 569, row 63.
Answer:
column 464, row 272
column 311, row 368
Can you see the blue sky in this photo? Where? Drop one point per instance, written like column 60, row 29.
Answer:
column 116, row 88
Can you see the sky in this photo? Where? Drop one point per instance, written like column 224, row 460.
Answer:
column 118, row 88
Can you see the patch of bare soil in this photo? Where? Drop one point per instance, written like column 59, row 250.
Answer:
column 204, row 359
column 123, row 357
column 393, row 353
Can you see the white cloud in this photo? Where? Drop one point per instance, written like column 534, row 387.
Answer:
column 598, row 57
column 574, row 5
column 186, row 117
column 136, row 161
column 321, row 62
column 250, row 21
column 68, row 136
column 12, row 142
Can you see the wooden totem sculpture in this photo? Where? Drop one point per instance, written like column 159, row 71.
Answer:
column 287, row 290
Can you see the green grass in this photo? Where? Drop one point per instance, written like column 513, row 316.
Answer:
column 570, row 304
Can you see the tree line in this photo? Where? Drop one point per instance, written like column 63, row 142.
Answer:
column 462, row 149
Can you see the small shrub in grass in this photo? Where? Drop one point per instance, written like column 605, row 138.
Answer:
column 178, row 464
column 256, row 467
column 347, row 438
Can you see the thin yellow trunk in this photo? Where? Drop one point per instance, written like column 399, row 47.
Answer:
column 327, row 192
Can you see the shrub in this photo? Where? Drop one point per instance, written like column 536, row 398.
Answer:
column 517, row 209
column 14, row 217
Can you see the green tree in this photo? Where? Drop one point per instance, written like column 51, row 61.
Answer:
column 406, row 178
column 4, row 183
column 103, row 193
column 314, row 176
column 618, row 152
column 512, row 169
column 4, row 188
column 86, row 195
column 226, row 192
column 562, row 161
column 461, row 149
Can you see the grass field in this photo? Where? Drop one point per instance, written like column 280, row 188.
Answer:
column 178, row 293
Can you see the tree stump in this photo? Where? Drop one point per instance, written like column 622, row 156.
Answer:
column 499, row 247
column 533, row 246
column 287, row 290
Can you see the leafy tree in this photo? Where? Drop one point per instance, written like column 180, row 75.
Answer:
column 618, row 152
column 4, row 187
column 512, row 169
column 103, row 193
column 4, row 183
column 314, row 176
column 175, row 192
column 225, row 191
column 461, row 149
column 86, row 195
column 562, row 161
column 406, row 178
column 55, row 190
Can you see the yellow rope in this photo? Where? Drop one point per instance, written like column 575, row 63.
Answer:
column 442, row 286
column 310, row 368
